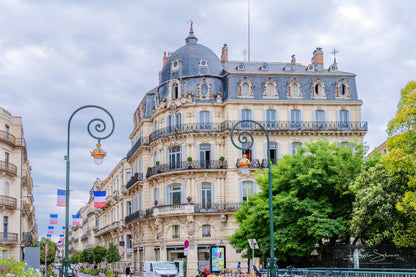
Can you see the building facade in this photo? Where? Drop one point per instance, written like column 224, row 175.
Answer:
column 18, row 223
column 180, row 181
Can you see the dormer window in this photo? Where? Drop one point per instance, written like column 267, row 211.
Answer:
column 294, row 89
column 204, row 90
column 342, row 90
column 270, row 88
column 175, row 89
column 176, row 65
column 318, row 90
column 245, row 88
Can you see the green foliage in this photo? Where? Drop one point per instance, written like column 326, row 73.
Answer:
column 112, row 254
column 312, row 201
column 76, row 258
column 375, row 217
column 91, row 271
column 87, row 256
column 100, row 253
column 11, row 267
column 52, row 246
column 110, row 273
column 401, row 160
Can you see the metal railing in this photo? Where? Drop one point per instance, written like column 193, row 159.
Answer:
column 217, row 207
column 270, row 126
column 7, row 137
column 135, row 178
column 8, row 167
column 134, row 216
column 6, row 237
column 186, row 165
column 346, row 272
column 84, row 237
column 8, row 201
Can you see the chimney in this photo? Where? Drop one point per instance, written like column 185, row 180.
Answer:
column 318, row 59
column 224, row 54
column 165, row 58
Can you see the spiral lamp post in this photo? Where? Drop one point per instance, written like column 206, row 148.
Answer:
column 243, row 138
column 98, row 154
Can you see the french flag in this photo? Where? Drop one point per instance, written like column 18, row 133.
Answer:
column 63, row 229
column 61, row 236
column 61, row 198
column 99, row 199
column 50, row 229
column 75, row 219
column 54, row 219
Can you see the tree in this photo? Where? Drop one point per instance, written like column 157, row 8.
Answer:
column 375, row 217
column 87, row 256
column 76, row 258
column 99, row 253
column 112, row 254
column 401, row 159
column 51, row 250
column 312, row 201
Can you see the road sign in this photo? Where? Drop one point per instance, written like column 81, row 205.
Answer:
column 186, row 244
column 253, row 244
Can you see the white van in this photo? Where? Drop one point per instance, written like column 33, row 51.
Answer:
column 160, row 269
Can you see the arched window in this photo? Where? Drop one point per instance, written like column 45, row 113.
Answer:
column 204, row 90
column 294, row 89
column 175, row 91
column 245, row 89
column 206, row 231
column 342, row 90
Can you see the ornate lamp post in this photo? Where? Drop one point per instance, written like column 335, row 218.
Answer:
column 247, row 140
column 98, row 154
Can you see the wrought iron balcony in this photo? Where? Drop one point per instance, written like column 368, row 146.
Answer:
column 186, row 165
column 217, row 207
column 270, row 126
column 135, row 178
column 76, row 240
column 7, row 138
column 8, row 237
column 7, row 201
column 134, row 216
column 108, row 228
column 8, row 168
column 27, row 238
column 84, row 237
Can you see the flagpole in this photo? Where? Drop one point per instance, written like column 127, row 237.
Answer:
column 99, row 127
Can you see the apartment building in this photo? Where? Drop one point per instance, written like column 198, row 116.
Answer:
column 174, row 195
column 18, row 222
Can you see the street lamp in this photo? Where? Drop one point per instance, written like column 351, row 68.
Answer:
column 98, row 154
column 246, row 139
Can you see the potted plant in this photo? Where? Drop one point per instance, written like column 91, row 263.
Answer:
column 189, row 162
column 222, row 159
column 157, row 162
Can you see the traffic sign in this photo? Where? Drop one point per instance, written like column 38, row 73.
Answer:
column 186, row 244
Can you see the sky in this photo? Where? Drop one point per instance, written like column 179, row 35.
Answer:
column 57, row 56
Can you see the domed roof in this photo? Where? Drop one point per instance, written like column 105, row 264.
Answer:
column 189, row 57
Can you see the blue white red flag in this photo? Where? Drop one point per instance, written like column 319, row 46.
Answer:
column 75, row 219
column 50, row 229
column 99, row 199
column 48, row 236
column 54, row 219
column 61, row 198
column 63, row 229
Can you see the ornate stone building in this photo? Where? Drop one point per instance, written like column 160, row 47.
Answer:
column 18, row 223
column 180, row 180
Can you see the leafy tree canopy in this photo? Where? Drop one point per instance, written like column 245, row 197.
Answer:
column 87, row 256
column 112, row 254
column 51, row 250
column 100, row 253
column 312, row 201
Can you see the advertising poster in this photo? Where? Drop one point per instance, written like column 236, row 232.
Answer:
column 217, row 258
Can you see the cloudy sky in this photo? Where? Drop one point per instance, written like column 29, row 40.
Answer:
column 56, row 56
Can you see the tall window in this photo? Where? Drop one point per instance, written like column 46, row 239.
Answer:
column 174, row 123
column 175, row 91
column 156, row 196
column 206, row 196
column 245, row 89
column 175, row 157
column 175, row 194
column 343, row 119
column 175, row 231
column 6, row 188
column 7, row 130
column 128, row 207
column 128, row 239
column 204, row 90
column 204, row 121
column 206, row 231
column 205, row 155
column 246, row 115
column 273, row 152
column 320, row 121
column 295, row 147
column 5, row 225
column 271, row 119
column 295, row 120
column 247, row 188
column 6, row 157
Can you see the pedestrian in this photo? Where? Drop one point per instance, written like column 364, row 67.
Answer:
column 239, row 267
column 127, row 270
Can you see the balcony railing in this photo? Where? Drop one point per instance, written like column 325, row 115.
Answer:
column 8, row 167
column 217, row 207
column 27, row 238
column 186, row 165
column 84, row 237
column 134, row 216
column 135, row 178
column 108, row 228
column 270, row 126
column 8, row 237
column 7, row 201
column 8, row 138
column 76, row 240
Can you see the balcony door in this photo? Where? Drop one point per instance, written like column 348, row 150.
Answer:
column 206, row 196
column 204, row 121
column 175, row 157
column 205, row 155
column 174, row 123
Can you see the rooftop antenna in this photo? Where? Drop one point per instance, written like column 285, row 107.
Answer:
column 248, row 54
column 334, row 52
